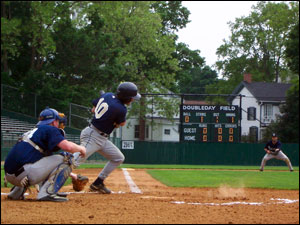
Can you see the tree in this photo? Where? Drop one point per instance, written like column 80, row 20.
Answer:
column 257, row 42
column 145, row 53
column 68, row 49
column 199, row 78
column 287, row 124
column 187, row 59
column 292, row 49
column 173, row 15
column 10, row 31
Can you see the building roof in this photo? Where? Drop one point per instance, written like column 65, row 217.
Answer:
column 263, row 91
column 195, row 102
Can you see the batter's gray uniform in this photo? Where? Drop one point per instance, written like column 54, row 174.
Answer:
column 93, row 141
column 109, row 113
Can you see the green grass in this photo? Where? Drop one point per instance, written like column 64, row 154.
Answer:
column 211, row 176
column 245, row 179
column 208, row 167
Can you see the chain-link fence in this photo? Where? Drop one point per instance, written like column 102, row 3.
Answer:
column 31, row 104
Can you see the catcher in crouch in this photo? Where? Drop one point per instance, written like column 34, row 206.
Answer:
column 31, row 161
column 273, row 149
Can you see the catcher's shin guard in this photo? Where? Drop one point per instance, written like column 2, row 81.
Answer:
column 58, row 179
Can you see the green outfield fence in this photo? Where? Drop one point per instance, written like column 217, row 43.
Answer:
column 194, row 153
column 197, row 153
column 204, row 153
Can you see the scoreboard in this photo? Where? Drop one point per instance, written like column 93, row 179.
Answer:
column 209, row 123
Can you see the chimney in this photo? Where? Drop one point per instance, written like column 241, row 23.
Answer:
column 248, row 77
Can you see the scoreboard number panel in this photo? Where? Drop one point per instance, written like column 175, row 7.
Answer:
column 209, row 123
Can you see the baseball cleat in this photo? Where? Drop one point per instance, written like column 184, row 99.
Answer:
column 100, row 188
column 53, row 198
column 261, row 170
column 17, row 193
column 62, row 194
column 291, row 170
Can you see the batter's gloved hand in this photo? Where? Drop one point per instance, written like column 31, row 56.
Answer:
column 80, row 182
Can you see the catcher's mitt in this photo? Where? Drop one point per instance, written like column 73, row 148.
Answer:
column 80, row 182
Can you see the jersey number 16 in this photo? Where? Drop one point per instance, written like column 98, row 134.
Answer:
column 101, row 108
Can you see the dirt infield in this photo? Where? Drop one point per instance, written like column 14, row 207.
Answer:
column 156, row 204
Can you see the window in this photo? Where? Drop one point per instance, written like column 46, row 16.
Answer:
column 251, row 112
column 136, row 131
column 147, row 131
column 268, row 110
column 167, row 131
column 253, row 133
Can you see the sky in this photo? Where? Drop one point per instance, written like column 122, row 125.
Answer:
column 208, row 26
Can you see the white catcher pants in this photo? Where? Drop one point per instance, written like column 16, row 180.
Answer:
column 37, row 173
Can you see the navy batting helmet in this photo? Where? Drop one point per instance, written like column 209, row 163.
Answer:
column 128, row 90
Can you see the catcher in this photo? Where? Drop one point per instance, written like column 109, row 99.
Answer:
column 273, row 150
column 31, row 161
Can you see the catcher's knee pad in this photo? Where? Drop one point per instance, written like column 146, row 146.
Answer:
column 59, row 177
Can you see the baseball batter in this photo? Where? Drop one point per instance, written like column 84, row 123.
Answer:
column 109, row 113
column 31, row 160
column 273, row 150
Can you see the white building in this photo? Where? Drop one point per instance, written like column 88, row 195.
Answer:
column 260, row 105
column 158, row 128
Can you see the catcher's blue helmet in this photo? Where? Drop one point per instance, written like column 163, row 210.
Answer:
column 47, row 116
column 128, row 90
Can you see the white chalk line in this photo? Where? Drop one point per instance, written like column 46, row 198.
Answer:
column 279, row 201
column 133, row 187
column 8, row 193
column 80, row 192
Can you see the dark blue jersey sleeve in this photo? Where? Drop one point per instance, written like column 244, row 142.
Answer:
column 55, row 137
column 95, row 101
column 272, row 146
column 267, row 145
column 279, row 144
column 121, row 116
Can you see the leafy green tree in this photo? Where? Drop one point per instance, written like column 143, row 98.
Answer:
column 292, row 49
column 145, row 53
column 173, row 15
column 10, row 31
column 256, row 46
column 199, row 78
column 187, row 59
column 287, row 124
column 257, row 41
column 83, row 60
